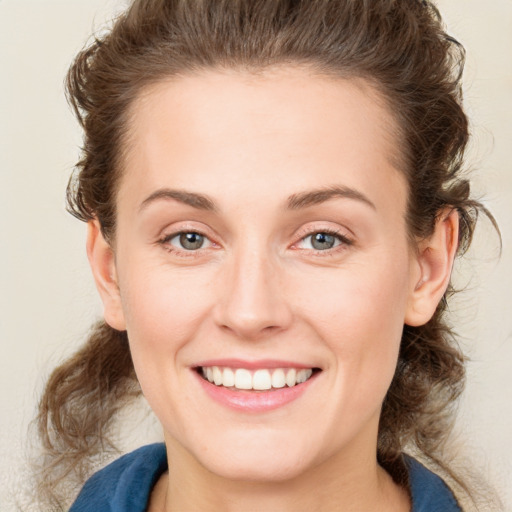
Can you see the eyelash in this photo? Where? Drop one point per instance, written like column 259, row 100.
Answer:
column 343, row 239
column 164, row 241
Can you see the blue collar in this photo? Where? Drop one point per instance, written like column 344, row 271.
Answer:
column 125, row 485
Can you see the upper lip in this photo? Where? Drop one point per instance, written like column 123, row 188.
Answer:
column 254, row 364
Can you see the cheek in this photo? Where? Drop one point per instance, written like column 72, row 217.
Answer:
column 163, row 311
column 364, row 332
column 164, row 305
column 359, row 314
column 355, row 298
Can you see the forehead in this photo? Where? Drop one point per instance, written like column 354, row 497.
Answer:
column 216, row 130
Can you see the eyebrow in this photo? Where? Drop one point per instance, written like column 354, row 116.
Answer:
column 297, row 201
column 199, row 201
column 321, row 195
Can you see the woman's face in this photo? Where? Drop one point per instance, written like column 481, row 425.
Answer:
column 261, row 239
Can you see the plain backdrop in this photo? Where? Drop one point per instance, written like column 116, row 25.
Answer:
column 47, row 298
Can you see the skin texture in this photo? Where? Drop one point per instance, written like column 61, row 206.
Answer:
column 257, row 289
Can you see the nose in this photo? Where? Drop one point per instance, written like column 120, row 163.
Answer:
column 253, row 302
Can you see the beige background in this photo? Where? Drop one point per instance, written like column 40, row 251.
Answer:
column 47, row 299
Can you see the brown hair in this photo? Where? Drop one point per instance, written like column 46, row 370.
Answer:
column 400, row 47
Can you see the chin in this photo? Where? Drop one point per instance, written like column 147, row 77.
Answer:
column 258, row 471
column 270, row 460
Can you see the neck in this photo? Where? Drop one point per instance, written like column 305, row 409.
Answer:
column 337, row 484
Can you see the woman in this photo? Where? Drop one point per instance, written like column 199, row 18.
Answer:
column 274, row 204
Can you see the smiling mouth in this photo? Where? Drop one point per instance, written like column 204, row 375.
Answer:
column 256, row 380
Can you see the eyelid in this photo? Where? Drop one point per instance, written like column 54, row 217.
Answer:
column 341, row 234
column 172, row 236
column 170, row 232
column 174, row 230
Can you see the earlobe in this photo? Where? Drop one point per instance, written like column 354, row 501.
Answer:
column 102, row 261
column 433, row 263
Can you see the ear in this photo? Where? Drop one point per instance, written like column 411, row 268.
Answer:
column 432, row 268
column 102, row 261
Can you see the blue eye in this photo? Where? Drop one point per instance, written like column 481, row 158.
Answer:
column 189, row 241
column 323, row 241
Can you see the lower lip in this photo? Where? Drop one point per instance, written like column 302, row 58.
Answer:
column 255, row 401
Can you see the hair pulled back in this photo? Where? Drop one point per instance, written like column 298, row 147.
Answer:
column 400, row 48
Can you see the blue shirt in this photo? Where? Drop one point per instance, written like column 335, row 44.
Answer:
column 126, row 484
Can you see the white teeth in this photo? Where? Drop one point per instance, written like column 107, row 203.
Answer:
column 259, row 380
column 243, row 379
column 217, row 376
column 228, row 377
column 291, row 377
column 303, row 375
column 278, row 379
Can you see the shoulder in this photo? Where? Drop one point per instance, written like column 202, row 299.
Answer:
column 429, row 492
column 125, row 484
